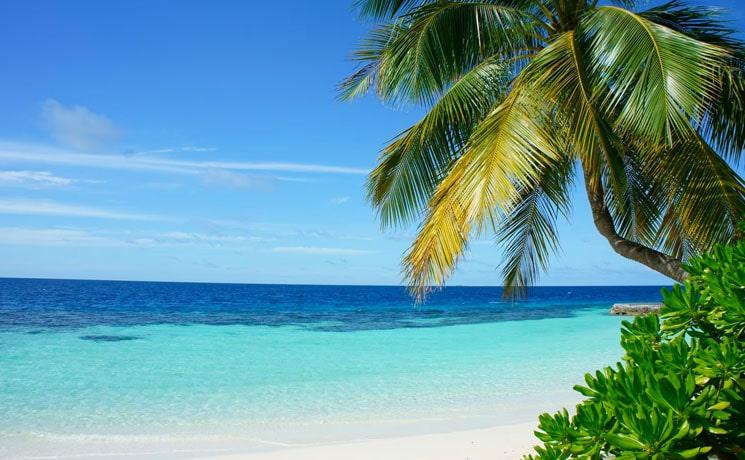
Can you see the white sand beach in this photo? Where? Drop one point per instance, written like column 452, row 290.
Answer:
column 496, row 443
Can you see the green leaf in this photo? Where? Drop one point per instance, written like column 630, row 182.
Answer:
column 624, row 441
column 694, row 452
column 719, row 406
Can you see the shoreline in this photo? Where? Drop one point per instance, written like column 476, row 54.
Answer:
column 498, row 442
column 510, row 438
column 502, row 440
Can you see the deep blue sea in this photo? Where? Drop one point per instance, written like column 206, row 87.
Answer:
column 55, row 304
column 97, row 367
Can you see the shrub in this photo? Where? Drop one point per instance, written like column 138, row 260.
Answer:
column 680, row 390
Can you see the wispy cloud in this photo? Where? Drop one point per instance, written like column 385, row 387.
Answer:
column 76, row 126
column 283, row 230
column 188, row 239
column 234, row 180
column 325, row 234
column 29, row 153
column 190, row 149
column 313, row 250
column 250, row 166
column 16, row 236
column 33, row 179
column 340, row 200
column 214, row 240
column 76, row 237
column 53, row 208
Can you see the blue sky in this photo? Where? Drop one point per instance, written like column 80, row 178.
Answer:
column 190, row 141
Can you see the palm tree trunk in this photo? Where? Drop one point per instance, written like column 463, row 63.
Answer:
column 656, row 260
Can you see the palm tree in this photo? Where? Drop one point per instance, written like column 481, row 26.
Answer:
column 524, row 95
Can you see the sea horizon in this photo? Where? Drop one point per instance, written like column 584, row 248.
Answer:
column 248, row 283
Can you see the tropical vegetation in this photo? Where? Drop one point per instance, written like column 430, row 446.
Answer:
column 522, row 97
column 680, row 390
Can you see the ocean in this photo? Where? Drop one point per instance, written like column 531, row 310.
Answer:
column 100, row 368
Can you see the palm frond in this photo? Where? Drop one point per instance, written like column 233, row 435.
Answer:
column 506, row 153
column 702, row 23
column 410, row 167
column 420, row 55
column 673, row 238
column 560, row 74
column 389, row 9
column 722, row 124
column 528, row 233
column 706, row 197
column 369, row 56
column 642, row 202
column 658, row 79
column 386, row 9
column 631, row 4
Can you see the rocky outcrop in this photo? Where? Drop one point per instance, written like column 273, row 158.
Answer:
column 635, row 309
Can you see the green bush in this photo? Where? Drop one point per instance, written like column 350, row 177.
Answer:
column 680, row 390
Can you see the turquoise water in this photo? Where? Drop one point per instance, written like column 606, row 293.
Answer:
column 110, row 386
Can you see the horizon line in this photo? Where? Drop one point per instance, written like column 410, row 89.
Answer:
column 324, row 284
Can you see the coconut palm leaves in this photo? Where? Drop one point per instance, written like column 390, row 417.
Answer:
column 505, row 154
column 418, row 56
column 520, row 93
column 413, row 164
column 528, row 232
column 658, row 80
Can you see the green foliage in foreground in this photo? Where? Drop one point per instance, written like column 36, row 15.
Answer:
column 680, row 390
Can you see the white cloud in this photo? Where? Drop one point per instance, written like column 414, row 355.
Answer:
column 76, row 126
column 340, row 200
column 28, row 153
column 194, row 149
column 205, row 239
column 32, row 179
column 269, row 166
column 53, row 237
column 22, row 153
column 321, row 251
column 235, row 180
column 76, row 237
column 52, row 208
column 325, row 234
column 283, row 230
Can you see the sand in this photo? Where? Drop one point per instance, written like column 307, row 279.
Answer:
column 500, row 442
